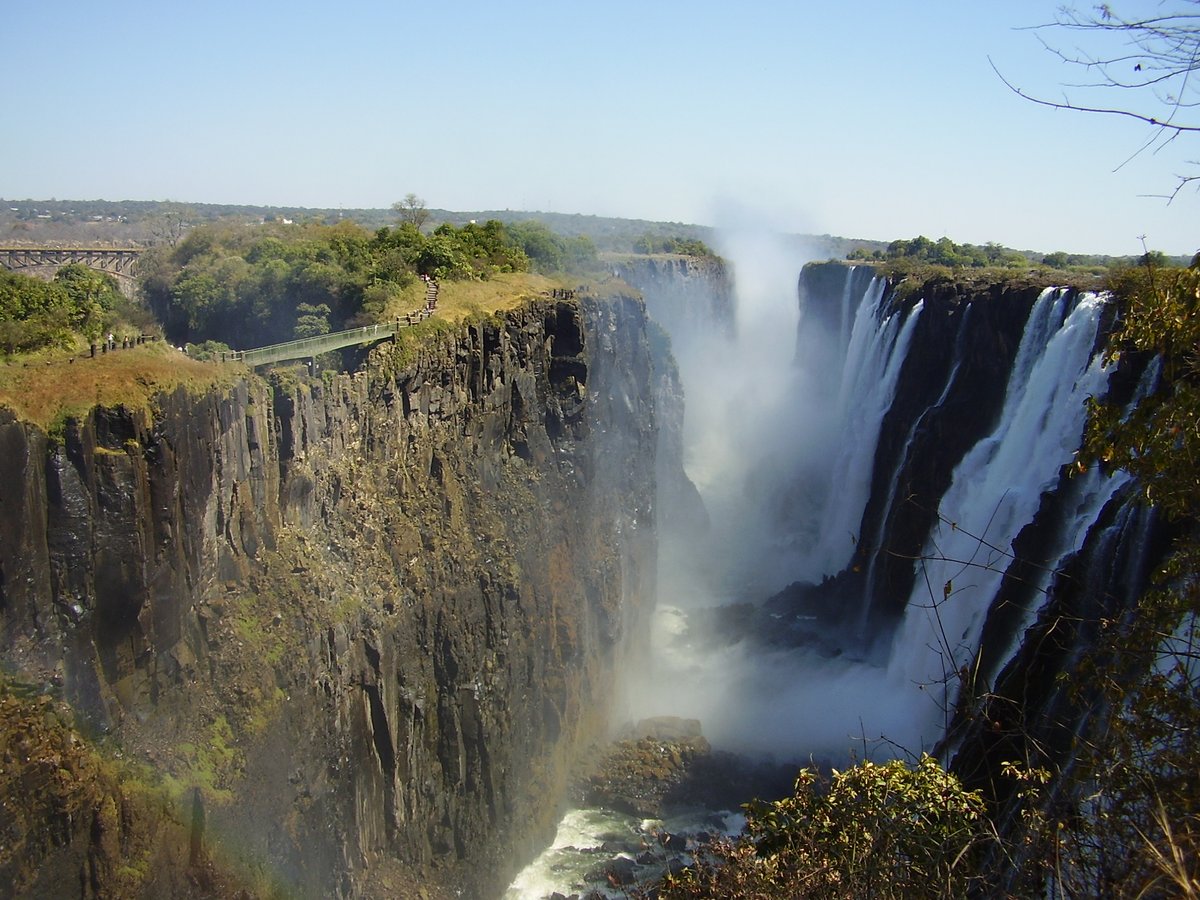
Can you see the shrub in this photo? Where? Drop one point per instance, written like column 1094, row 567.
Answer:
column 876, row 830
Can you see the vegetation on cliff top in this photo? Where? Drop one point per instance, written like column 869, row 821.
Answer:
column 249, row 287
column 50, row 386
column 258, row 286
column 222, row 286
column 903, row 257
column 79, row 303
column 652, row 243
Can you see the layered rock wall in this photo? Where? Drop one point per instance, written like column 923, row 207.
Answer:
column 371, row 617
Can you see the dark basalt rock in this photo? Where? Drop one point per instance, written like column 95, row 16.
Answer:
column 949, row 394
column 684, row 293
column 649, row 776
column 383, row 610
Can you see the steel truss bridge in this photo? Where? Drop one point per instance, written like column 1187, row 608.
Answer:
column 43, row 261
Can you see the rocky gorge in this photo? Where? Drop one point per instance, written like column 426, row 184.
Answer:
column 332, row 637
column 354, row 635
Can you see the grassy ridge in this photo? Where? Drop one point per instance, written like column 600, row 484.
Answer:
column 458, row 300
column 49, row 387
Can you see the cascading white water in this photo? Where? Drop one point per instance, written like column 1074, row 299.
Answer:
column 779, row 429
column 782, row 447
column 748, row 410
column 995, row 491
column 778, row 443
column 878, row 345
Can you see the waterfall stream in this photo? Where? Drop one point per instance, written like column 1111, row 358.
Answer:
column 782, row 438
column 995, row 491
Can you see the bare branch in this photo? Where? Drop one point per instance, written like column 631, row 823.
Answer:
column 1067, row 104
column 1155, row 58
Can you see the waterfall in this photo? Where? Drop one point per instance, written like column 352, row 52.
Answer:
column 995, row 491
column 965, row 400
column 802, row 470
column 877, row 348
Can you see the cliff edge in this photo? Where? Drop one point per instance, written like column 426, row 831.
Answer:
column 349, row 633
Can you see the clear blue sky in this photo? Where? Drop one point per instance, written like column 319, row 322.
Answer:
column 874, row 119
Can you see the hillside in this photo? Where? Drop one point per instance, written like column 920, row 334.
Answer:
column 150, row 221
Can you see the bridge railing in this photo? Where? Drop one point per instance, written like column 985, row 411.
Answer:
column 313, row 346
column 323, row 343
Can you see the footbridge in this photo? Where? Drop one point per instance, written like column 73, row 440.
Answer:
column 305, row 348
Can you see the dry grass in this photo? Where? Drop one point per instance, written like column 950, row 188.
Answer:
column 458, row 300
column 47, row 388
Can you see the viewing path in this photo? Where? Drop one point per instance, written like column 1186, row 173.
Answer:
column 335, row 340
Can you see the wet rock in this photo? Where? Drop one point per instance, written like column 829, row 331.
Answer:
column 675, row 843
column 650, row 777
column 637, row 776
column 667, row 728
column 616, row 872
column 621, row 871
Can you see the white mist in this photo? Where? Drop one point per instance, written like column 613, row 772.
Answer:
column 768, row 434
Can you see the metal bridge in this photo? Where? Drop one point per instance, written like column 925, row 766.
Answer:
column 314, row 346
column 44, row 260
column 120, row 261
column 304, row 348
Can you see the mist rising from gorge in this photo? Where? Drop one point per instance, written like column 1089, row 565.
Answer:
column 983, row 399
column 762, row 439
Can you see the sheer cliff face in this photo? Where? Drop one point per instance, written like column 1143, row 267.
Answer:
column 372, row 617
column 685, row 294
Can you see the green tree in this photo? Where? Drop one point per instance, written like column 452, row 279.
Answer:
column 33, row 314
column 311, row 320
column 92, row 297
column 545, row 249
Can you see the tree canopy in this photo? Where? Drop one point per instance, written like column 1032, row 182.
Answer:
column 412, row 210
column 35, row 314
column 254, row 286
column 655, row 243
column 945, row 252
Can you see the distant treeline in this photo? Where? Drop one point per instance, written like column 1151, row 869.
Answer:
column 651, row 243
column 945, row 252
column 154, row 221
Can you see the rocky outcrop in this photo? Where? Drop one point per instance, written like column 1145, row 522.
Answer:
column 371, row 617
column 664, row 765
